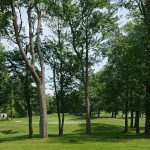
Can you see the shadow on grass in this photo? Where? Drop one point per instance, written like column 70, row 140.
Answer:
column 7, row 132
column 100, row 133
column 16, row 138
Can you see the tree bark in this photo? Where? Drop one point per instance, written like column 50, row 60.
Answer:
column 112, row 114
column 61, row 129
column 57, row 99
column 98, row 114
column 88, row 116
column 29, row 107
column 39, row 79
column 126, row 113
column 132, row 118
column 43, row 112
column 11, row 104
column 147, row 110
column 137, row 122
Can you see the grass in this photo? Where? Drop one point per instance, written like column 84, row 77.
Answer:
column 106, row 135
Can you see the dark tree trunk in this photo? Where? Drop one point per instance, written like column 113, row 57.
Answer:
column 142, row 114
column 126, row 112
column 126, row 118
column 147, row 110
column 62, row 104
column 62, row 125
column 61, row 96
column 88, row 117
column 57, row 100
column 115, row 115
column 98, row 114
column 28, row 101
column 132, row 118
column 29, row 107
column 147, row 119
column 137, row 122
column 131, row 109
column 112, row 115
column 147, row 122
column 11, row 105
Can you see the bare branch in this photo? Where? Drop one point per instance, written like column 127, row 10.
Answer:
column 10, row 37
column 31, row 36
column 20, row 19
column 74, row 44
column 19, row 42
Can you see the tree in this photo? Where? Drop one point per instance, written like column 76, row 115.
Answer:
column 34, row 13
column 63, row 64
column 142, row 8
column 4, row 79
column 85, row 20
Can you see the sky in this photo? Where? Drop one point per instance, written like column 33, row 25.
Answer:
column 9, row 45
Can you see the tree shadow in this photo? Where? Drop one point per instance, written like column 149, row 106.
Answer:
column 17, row 138
column 101, row 132
column 8, row 132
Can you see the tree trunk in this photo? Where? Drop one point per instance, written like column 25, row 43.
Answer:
column 88, row 117
column 132, row 117
column 126, row 113
column 147, row 110
column 62, row 125
column 147, row 122
column 39, row 79
column 28, row 100
column 147, row 119
column 137, row 122
column 57, row 100
column 41, row 84
column 11, row 104
column 62, row 102
column 29, row 107
column 98, row 114
column 112, row 115
column 43, row 112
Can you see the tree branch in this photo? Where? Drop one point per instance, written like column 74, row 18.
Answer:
column 19, row 42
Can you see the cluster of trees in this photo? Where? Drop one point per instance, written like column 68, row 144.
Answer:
column 80, row 33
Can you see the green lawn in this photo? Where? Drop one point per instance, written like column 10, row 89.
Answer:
column 106, row 135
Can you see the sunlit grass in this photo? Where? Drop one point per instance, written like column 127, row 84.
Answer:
column 106, row 135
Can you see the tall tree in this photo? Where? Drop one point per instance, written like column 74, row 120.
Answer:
column 34, row 11
column 142, row 8
column 85, row 19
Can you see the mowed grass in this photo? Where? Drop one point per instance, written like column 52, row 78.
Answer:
column 106, row 135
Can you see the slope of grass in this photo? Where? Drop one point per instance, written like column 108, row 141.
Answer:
column 106, row 135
